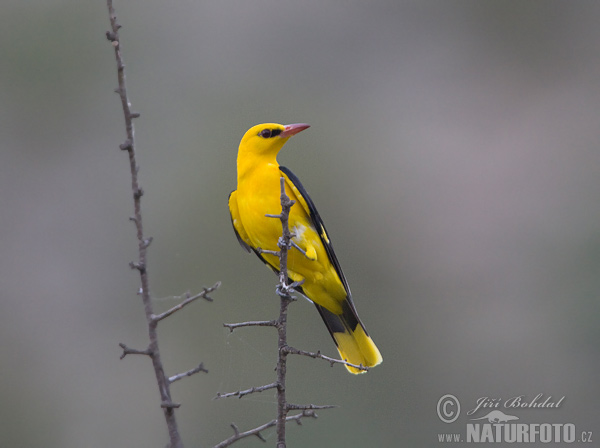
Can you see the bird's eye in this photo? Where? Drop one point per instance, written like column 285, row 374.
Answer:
column 269, row 133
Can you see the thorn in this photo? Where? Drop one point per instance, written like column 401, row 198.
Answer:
column 134, row 114
column 110, row 35
column 170, row 405
column 136, row 265
column 138, row 193
column 126, row 145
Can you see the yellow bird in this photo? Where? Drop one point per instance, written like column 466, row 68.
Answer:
column 312, row 258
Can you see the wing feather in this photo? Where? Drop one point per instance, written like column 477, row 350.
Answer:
column 309, row 206
column 240, row 232
column 238, row 228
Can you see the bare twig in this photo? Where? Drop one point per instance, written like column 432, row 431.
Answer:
column 132, row 351
column 306, row 407
column 198, row 369
column 252, row 390
column 189, row 299
column 256, row 323
column 318, row 355
column 266, row 251
column 237, row 435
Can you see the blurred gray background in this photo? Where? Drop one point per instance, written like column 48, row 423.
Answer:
column 453, row 154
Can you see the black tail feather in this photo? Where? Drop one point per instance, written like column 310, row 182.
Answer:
column 340, row 323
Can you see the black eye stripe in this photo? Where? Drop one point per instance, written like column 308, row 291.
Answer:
column 269, row 133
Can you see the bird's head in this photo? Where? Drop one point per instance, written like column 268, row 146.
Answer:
column 268, row 138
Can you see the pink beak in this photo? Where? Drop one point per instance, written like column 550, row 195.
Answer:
column 293, row 129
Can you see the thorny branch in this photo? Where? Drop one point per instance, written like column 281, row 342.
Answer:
column 284, row 290
column 255, row 323
column 318, row 355
column 285, row 293
column 189, row 299
column 198, row 369
column 237, row 435
column 252, row 390
column 152, row 351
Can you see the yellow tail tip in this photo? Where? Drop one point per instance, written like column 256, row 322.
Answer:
column 359, row 349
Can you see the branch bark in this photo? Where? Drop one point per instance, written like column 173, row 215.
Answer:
column 152, row 351
column 284, row 291
column 143, row 242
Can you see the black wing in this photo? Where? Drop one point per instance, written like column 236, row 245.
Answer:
column 319, row 226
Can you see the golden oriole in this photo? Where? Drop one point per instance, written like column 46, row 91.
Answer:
column 312, row 258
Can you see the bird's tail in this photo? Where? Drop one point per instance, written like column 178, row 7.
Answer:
column 351, row 337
